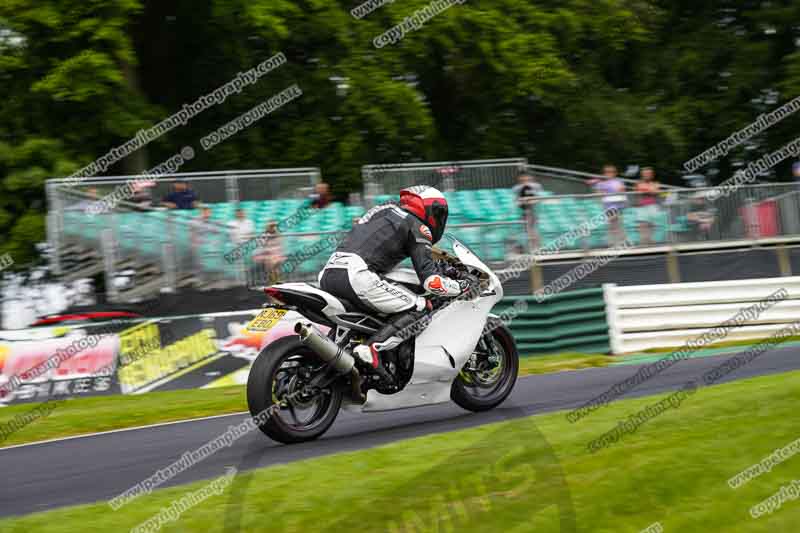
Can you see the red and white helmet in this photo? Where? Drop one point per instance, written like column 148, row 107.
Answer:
column 429, row 205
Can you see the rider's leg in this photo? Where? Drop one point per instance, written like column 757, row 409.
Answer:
column 349, row 278
column 399, row 329
column 373, row 293
column 404, row 307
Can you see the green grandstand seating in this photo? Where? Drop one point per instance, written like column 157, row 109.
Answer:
column 144, row 233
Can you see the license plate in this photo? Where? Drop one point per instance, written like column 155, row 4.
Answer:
column 266, row 320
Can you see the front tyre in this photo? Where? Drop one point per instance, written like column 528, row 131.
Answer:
column 490, row 373
column 276, row 395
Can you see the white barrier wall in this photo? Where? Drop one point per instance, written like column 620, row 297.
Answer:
column 660, row 316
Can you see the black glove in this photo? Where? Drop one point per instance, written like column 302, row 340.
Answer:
column 465, row 285
column 473, row 284
column 446, row 269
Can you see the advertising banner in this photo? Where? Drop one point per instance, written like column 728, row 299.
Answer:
column 40, row 364
column 133, row 356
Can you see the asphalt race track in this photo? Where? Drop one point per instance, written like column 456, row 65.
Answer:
column 44, row 476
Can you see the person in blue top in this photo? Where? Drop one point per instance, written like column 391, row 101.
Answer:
column 182, row 197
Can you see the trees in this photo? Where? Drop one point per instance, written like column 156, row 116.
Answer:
column 573, row 83
column 63, row 66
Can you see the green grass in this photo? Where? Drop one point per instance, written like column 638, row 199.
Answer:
column 545, row 364
column 514, row 476
column 102, row 413
column 744, row 343
column 564, row 362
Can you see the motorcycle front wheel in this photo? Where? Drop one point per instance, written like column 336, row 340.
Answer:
column 490, row 373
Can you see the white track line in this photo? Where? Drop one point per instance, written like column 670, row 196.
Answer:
column 87, row 435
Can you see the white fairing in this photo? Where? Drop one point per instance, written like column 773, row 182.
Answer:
column 453, row 332
column 334, row 306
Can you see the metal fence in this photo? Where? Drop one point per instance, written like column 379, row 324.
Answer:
column 474, row 175
column 674, row 216
column 304, row 254
column 154, row 249
column 566, row 181
column 452, row 175
column 561, row 181
column 69, row 234
column 210, row 187
column 679, row 216
column 162, row 249
column 561, row 224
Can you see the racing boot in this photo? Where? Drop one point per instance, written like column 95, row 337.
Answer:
column 399, row 329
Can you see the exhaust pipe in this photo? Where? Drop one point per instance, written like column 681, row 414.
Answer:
column 341, row 359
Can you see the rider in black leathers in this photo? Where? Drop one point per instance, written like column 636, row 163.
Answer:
column 381, row 239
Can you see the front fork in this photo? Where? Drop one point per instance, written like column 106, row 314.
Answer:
column 491, row 361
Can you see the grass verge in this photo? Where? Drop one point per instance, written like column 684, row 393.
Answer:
column 744, row 343
column 80, row 416
column 531, row 474
column 545, row 364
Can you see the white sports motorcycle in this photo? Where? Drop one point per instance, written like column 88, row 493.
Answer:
column 465, row 354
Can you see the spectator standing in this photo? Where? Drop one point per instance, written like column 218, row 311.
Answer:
column 648, row 210
column 700, row 216
column 88, row 202
column 142, row 193
column 614, row 190
column 321, row 196
column 242, row 228
column 199, row 230
column 182, row 197
column 446, row 177
column 526, row 191
column 270, row 253
column 796, row 173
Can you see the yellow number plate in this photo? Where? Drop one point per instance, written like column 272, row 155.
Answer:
column 266, row 320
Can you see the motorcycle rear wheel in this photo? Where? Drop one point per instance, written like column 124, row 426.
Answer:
column 275, row 387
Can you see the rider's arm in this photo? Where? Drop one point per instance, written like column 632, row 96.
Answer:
column 419, row 249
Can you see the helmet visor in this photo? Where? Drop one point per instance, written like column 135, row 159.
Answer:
column 437, row 216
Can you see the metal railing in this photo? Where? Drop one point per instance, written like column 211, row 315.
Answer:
column 496, row 243
column 170, row 249
column 673, row 216
column 304, row 254
column 450, row 175
column 156, row 248
column 566, row 181
column 679, row 216
column 209, row 188
column 293, row 257
column 476, row 174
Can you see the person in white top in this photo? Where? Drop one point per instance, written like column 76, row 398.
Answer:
column 242, row 228
column 269, row 253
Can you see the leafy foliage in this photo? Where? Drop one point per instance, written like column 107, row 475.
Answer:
column 573, row 83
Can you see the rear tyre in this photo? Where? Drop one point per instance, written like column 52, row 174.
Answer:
column 279, row 372
column 490, row 374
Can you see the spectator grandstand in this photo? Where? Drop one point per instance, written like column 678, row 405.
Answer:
column 143, row 251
